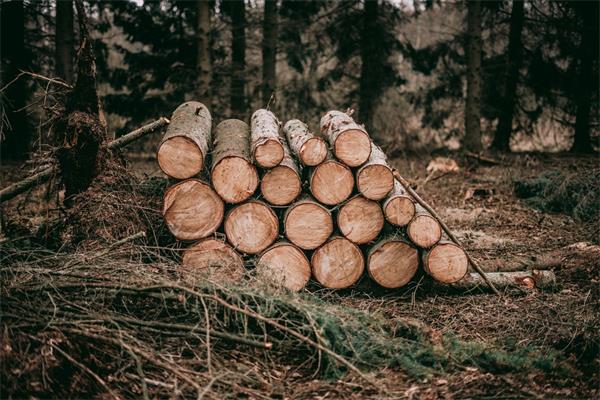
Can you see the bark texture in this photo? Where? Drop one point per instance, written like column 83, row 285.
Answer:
column 309, row 148
column 503, row 280
column 64, row 41
column 307, row 223
column 399, row 206
column 251, row 227
column 350, row 141
column 472, row 139
column 285, row 265
column 374, row 179
column 269, row 49
column 186, row 143
column 266, row 146
column 203, row 58
column 238, row 58
column 338, row 264
column 392, row 262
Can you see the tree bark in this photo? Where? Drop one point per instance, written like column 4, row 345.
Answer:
column 445, row 262
column 331, row 182
column 588, row 53
column 511, row 77
column 399, row 206
column 360, row 220
column 372, row 57
column 251, row 227
column 350, row 141
column 309, row 148
column 266, row 144
column 423, row 230
column 64, row 41
column 212, row 259
column 186, row 143
column 283, row 184
column 502, row 280
column 392, row 262
column 17, row 135
column 283, row 264
column 307, row 223
column 238, row 58
column 203, row 58
column 374, row 179
column 472, row 139
column 233, row 175
column 269, row 49
column 192, row 210
column 338, row 264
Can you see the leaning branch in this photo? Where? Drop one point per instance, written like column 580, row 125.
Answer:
column 43, row 176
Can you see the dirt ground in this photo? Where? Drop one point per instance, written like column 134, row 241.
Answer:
column 501, row 231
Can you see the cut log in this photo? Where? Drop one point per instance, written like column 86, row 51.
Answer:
column 310, row 149
column 307, row 223
column 186, row 142
column 233, row 175
column 350, row 142
column 192, row 210
column 213, row 259
column 267, row 148
column 285, row 265
column 251, row 227
column 374, row 179
column 423, row 230
column 360, row 220
column 338, row 264
column 399, row 207
column 445, row 262
column 331, row 182
column 392, row 262
column 282, row 184
column 519, row 279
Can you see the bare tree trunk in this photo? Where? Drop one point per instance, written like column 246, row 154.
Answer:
column 238, row 58
column 203, row 60
column 269, row 50
column 472, row 139
column 64, row 40
column 588, row 51
column 372, row 60
column 16, row 134
column 511, row 77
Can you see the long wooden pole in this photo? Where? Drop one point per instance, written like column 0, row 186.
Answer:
column 43, row 176
column 435, row 215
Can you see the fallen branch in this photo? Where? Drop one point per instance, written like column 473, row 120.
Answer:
column 435, row 215
column 43, row 176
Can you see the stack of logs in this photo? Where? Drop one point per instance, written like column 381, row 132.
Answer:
column 302, row 203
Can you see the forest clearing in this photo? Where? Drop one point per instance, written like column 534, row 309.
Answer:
column 246, row 246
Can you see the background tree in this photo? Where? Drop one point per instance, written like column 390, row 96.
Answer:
column 237, row 10
column 269, row 49
column 472, row 140
column 64, row 40
column 203, row 57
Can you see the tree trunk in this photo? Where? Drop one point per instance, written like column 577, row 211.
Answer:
column 511, row 77
column 213, row 259
column 307, row 223
column 64, row 41
column 251, row 227
column 351, row 143
column 192, row 210
column 588, row 53
column 283, row 264
column 372, row 58
column 445, row 262
column 338, row 264
column 310, row 149
column 472, row 139
column 502, row 280
column 186, row 143
column 203, row 59
column 331, row 182
column 283, row 184
column 15, row 143
column 392, row 262
column 233, row 175
column 238, row 58
column 374, row 179
column 266, row 144
column 360, row 220
column 399, row 207
column 423, row 230
column 269, row 50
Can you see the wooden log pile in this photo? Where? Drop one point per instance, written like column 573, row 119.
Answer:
column 296, row 202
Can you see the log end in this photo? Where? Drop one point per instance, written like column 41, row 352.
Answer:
column 352, row 147
column 213, row 259
column 235, row 179
column 360, row 220
column 192, row 210
column 375, row 181
column 251, row 227
column 284, row 265
column 424, row 231
column 308, row 225
column 281, row 185
column 331, row 182
column 446, row 263
column 393, row 263
column 180, row 157
column 313, row 152
column 269, row 154
column 338, row 264
column 399, row 210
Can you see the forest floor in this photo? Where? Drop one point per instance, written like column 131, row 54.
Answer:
column 558, row 327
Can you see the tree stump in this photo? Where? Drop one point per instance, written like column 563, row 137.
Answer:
column 251, row 227
column 310, row 149
column 267, row 148
column 338, row 264
column 307, row 223
column 392, row 262
column 285, row 265
column 350, row 142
